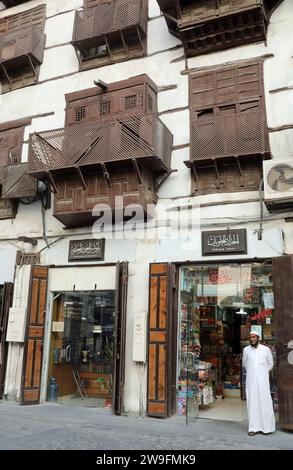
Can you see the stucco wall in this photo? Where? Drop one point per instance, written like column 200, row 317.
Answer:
column 165, row 65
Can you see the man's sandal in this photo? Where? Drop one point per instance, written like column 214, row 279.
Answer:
column 251, row 433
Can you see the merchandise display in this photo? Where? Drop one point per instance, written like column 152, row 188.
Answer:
column 218, row 307
column 206, row 395
column 189, row 350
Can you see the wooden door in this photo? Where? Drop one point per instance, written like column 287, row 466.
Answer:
column 283, row 286
column 160, row 401
column 7, row 298
column 120, row 337
column 33, row 349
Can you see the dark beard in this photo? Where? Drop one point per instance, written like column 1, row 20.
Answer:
column 255, row 345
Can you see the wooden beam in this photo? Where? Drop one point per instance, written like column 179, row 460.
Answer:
column 165, row 177
column 79, row 172
column 32, row 66
column 106, row 174
column 136, row 167
column 240, row 171
column 54, row 187
column 6, row 74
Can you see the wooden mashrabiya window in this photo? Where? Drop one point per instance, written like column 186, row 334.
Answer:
column 14, row 181
column 110, row 31
column 210, row 25
column 228, row 130
column 22, row 42
column 113, row 144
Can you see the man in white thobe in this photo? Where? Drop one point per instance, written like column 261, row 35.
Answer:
column 258, row 361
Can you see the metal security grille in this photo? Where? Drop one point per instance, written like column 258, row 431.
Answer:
column 84, row 144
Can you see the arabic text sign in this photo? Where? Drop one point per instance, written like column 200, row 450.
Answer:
column 85, row 250
column 224, row 242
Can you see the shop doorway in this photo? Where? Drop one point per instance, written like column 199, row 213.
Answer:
column 218, row 304
column 83, row 348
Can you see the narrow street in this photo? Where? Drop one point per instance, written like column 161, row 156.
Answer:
column 50, row 426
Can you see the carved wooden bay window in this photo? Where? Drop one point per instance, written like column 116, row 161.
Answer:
column 210, row 25
column 14, row 181
column 228, row 131
column 110, row 31
column 105, row 150
column 22, row 42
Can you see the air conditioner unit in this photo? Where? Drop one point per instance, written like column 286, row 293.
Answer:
column 278, row 184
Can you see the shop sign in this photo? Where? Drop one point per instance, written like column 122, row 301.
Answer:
column 27, row 258
column 226, row 242
column 86, row 250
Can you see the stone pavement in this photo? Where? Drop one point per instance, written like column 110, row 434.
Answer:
column 53, row 426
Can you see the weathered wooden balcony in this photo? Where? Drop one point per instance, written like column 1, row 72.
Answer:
column 21, row 49
column 92, row 163
column 210, row 25
column 96, row 26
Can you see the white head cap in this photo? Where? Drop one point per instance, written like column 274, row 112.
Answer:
column 253, row 332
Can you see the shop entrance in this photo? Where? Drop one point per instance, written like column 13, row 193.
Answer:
column 83, row 348
column 218, row 304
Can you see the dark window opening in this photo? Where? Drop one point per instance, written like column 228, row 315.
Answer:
column 80, row 113
column 205, row 114
column 130, row 102
column 105, row 107
column 150, row 103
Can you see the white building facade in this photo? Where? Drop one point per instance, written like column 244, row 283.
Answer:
column 214, row 197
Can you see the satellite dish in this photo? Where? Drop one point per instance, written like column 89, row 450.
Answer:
column 280, row 178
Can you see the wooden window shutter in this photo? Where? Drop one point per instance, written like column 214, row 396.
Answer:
column 226, row 85
column 282, row 281
column 33, row 17
column 227, row 117
column 7, row 298
column 11, row 141
column 159, row 341
column 120, row 331
column 33, row 349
